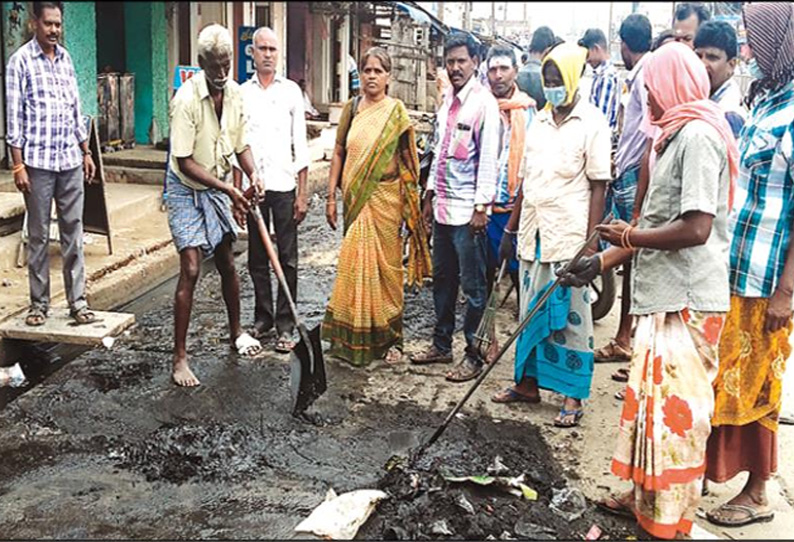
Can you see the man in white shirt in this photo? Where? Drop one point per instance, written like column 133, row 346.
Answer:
column 276, row 132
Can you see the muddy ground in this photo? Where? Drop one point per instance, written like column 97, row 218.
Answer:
column 105, row 447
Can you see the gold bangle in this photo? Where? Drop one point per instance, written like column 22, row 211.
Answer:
column 17, row 168
column 628, row 238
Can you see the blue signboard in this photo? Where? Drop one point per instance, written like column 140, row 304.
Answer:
column 182, row 74
column 245, row 53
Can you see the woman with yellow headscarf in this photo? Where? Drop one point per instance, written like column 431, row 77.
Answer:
column 564, row 171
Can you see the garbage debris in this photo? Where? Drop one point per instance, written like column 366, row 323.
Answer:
column 12, row 376
column 463, row 503
column 514, row 486
column 108, row 342
column 533, row 531
column 506, row 536
column 440, row 528
column 568, row 503
column 340, row 516
column 498, row 468
column 594, row 533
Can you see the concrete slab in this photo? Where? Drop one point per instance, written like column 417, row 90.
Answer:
column 60, row 327
column 11, row 205
column 140, row 157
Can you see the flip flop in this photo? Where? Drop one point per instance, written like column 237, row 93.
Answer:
column 284, row 344
column 577, row 414
column 247, row 345
column 36, row 317
column 621, row 375
column 83, row 316
column 752, row 515
column 510, row 395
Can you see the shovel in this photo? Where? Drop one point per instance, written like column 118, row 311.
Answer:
column 524, row 323
column 307, row 368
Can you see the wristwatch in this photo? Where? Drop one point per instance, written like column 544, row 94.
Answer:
column 480, row 208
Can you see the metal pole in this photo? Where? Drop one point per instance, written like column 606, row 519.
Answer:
column 611, row 35
column 441, row 11
column 504, row 22
column 493, row 18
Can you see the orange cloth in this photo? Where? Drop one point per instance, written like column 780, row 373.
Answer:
column 749, row 385
column 517, row 105
column 679, row 83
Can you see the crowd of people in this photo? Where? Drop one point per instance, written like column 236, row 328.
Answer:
column 698, row 180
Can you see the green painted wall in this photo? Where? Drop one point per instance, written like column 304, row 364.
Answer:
column 79, row 38
column 147, row 57
column 15, row 27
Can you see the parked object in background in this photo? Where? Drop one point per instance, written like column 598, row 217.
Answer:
column 126, row 96
column 108, row 105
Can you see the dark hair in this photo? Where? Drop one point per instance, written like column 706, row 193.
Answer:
column 687, row 9
column 593, row 37
column 460, row 39
column 718, row 34
column 381, row 54
column 39, row 7
column 542, row 39
column 502, row 50
column 636, row 33
column 663, row 37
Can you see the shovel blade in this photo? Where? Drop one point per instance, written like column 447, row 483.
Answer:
column 307, row 370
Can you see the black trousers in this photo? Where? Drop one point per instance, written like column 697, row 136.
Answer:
column 281, row 205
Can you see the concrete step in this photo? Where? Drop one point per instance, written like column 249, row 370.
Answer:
column 134, row 175
column 128, row 205
column 143, row 157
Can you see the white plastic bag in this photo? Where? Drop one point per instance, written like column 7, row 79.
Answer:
column 340, row 517
column 12, row 376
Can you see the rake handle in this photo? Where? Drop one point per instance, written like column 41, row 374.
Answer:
column 524, row 323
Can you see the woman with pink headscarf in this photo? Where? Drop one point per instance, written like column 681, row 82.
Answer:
column 679, row 295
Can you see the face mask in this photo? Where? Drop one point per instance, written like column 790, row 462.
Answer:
column 555, row 95
column 755, row 69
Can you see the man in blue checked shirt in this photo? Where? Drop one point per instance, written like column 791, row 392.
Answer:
column 605, row 91
column 50, row 155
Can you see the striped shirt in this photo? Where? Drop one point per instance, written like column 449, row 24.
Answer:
column 464, row 170
column 764, row 200
column 605, row 92
column 43, row 108
column 729, row 98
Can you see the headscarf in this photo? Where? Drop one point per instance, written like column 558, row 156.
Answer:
column 570, row 60
column 516, row 106
column 770, row 33
column 679, row 83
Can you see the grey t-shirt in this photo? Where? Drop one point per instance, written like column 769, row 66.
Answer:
column 691, row 174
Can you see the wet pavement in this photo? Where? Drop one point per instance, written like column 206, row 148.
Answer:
column 106, row 447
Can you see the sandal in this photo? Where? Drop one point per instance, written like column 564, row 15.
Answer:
column 433, row 355
column 393, row 356
column 612, row 505
column 284, row 344
column 510, row 395
column 464, row 371
column 83, row 316
column 247, row 345
column 751, row 515
column 612, row 352
column 577, row 414
column 36, row 317
column 620, row 395
column 621, row 375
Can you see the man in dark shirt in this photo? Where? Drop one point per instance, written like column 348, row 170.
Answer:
column 529, row 79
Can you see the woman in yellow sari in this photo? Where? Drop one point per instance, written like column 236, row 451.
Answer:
column 376, row 156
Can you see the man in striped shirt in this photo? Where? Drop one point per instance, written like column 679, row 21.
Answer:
column 605, row 91
column 460, row 190
column 49, row 149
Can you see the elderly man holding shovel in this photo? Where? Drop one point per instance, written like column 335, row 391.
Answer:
column 207, row 129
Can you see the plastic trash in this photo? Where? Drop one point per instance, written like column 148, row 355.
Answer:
column 440, row 527
column 497, row 468
column 108, row 342
column 463, row 503
column 12, row 376
column 594, row 533
column 340, row 516
column 569, row 503
column 514, row 486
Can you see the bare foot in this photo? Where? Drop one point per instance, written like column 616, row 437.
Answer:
column 182, row 375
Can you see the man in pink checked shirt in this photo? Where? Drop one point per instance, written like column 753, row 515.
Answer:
column 460, row 191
